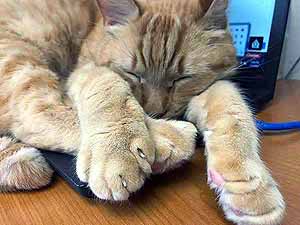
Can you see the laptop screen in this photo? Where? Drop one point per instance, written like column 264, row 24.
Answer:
column 250, row 23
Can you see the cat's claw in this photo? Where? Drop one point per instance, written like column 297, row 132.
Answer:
column 252, row 201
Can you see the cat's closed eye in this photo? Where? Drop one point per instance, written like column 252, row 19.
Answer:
column 134, row 76
column 180, row 79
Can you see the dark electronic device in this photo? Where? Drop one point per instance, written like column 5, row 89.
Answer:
column 258, row 29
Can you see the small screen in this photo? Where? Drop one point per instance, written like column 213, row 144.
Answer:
column 250, row 23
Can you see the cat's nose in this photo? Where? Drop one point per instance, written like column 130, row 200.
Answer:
column 155, row 108
column 155, row 101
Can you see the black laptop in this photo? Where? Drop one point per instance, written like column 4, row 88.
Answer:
column 258, row 30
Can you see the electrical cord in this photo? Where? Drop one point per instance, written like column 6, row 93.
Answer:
column 286, row 126
column 265, row 127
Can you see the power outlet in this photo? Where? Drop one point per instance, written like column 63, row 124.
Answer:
column 240, row 34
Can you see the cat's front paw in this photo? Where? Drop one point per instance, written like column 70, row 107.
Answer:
column 115, row 164
column 248, row 194
column 174, row 142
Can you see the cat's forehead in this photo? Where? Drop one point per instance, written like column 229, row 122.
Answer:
column 161, row 37
column 181, row 8
column 163, row 28
column 156, row 24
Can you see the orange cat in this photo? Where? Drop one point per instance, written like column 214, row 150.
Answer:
column 81, row 76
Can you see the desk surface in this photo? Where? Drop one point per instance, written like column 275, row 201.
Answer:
column 181, row 197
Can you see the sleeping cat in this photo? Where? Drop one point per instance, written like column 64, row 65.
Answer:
column 89, row 78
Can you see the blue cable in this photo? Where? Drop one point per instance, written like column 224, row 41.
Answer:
column 264, row 126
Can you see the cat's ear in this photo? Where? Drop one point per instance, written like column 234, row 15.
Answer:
column 118, row 12
column 216, row 15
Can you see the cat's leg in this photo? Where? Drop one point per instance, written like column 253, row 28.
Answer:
column 33, row 110
column 39, row 118
column 38, row 114
column 35, row 46
column 116, row 151
column 247, row 192
column 22, row 167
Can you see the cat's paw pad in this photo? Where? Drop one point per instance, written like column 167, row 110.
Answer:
column 251, row 200
column 174, row 142
column 115, row 169
column 22, row 168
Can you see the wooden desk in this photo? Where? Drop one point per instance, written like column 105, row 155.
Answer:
column 181, row 197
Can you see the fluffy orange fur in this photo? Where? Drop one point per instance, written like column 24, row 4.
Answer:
column 83, row 77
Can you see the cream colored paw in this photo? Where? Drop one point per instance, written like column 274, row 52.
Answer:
column 114, row 166
column 248, row 195
column 174, row 142
column 22, row 167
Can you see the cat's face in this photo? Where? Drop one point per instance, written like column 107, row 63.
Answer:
column 167, row 50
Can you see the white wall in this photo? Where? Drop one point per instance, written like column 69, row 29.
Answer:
column 291, row 49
